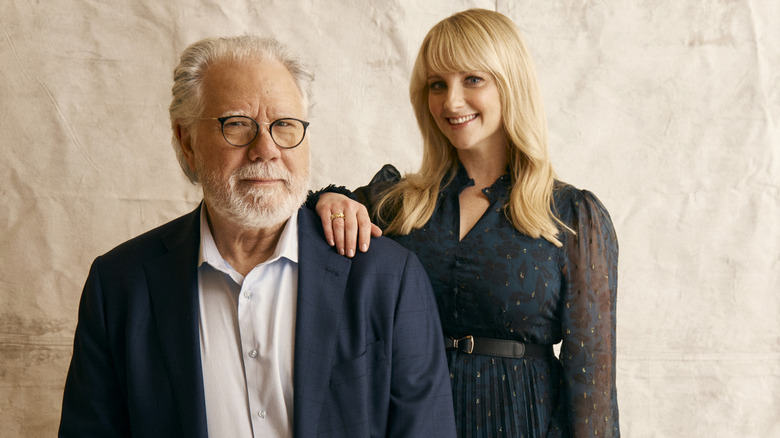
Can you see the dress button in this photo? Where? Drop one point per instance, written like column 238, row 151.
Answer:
column 253, row 353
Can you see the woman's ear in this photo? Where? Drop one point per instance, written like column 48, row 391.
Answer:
column 184, row 136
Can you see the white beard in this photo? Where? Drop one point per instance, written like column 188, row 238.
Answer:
column 254, row 207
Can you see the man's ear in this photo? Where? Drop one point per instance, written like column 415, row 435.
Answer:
column 184, row 136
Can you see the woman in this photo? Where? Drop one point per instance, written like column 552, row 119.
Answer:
column 518, row 260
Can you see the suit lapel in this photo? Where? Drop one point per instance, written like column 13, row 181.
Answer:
column 173, row 286
column 322, row 280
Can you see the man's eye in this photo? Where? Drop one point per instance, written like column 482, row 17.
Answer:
column 237, row 123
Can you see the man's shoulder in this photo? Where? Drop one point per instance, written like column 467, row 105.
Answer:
column 311, row 227
column 384, row 256
column 157, row 240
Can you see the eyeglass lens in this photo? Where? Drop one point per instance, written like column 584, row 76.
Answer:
column 242, row 130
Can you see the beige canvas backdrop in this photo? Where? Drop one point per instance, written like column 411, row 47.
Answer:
column 667, row 110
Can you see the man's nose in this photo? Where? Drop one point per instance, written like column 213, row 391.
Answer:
column 263, row 147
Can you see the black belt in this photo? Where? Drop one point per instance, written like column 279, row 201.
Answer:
column 498, row 347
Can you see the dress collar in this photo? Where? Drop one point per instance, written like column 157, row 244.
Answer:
column 494, row 192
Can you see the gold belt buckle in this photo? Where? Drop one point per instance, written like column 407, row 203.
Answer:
column 469, row 338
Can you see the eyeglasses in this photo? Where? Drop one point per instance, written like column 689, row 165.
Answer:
column 240, row 131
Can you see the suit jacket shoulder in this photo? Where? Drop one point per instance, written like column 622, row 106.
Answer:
column 184, row 230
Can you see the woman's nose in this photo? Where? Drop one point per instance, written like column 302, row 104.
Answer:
column 454, row 98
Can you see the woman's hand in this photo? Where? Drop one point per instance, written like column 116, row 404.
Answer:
column 346, row 223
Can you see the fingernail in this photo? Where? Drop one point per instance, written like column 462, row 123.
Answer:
column 364, row 247
column 341, row 251
column 331, row 242
column 351, row 253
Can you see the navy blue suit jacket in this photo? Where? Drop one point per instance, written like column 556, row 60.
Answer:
column 369, row 358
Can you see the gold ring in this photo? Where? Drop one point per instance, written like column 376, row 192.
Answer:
column 337, row 215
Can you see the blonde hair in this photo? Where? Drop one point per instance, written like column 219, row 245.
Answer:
column 479, row 39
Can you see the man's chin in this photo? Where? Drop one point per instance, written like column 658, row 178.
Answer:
column 254, row 206
column 259, row 212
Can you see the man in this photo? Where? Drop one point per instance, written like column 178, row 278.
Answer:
column 238, row 319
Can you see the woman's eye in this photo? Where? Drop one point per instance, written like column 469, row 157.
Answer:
column 437, row 85
column 473, row 80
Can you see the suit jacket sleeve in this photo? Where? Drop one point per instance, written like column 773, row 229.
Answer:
column 421, row 398
column 93, row 402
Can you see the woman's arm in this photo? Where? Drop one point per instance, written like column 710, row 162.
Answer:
column 588, row 321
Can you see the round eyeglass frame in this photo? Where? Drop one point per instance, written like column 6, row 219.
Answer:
column 257, row 129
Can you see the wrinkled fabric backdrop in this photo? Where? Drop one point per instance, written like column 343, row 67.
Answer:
column 667, row 110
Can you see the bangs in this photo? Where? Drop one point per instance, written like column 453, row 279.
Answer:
column 454, row 47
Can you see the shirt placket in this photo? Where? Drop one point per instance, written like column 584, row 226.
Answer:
column 251, row 351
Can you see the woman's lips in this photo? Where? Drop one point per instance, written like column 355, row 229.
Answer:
column 462, row 119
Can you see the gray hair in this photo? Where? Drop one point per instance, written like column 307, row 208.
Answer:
column 187, row 105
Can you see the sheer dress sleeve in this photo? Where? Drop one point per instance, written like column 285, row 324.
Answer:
column 588, row 320
column 370, row 194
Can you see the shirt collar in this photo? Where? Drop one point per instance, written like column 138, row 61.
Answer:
column 286, row 247
column 495, row 192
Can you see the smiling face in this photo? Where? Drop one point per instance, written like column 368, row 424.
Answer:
column 258, row 185
column 467, row 109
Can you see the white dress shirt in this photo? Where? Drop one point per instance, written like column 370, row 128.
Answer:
column 247, row 333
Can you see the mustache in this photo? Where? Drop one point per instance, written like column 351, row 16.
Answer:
column 263, row 171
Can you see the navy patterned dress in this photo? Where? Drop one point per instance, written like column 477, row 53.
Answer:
column 499, row 283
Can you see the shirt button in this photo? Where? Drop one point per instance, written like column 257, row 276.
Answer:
column 253, row 353
column 261, row 414
column 247, row 294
